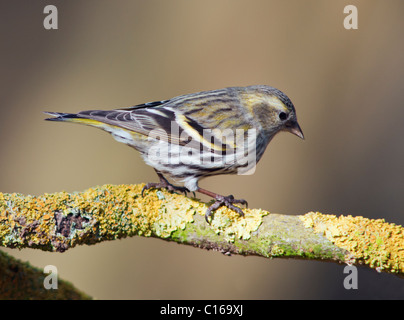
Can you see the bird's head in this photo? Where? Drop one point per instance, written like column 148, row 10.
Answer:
column 272, row 109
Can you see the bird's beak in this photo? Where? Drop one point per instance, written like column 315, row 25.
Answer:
column 293, row 127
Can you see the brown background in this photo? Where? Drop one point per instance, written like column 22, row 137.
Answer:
column 347, row 87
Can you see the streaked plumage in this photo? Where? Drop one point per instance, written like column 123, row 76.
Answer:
column 193, row 136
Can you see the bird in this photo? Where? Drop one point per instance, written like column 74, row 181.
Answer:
column 198, row 135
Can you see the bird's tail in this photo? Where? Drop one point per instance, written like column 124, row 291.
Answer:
column 58, row 116
column 73, row 117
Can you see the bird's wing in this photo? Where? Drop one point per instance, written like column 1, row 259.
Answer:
column 193, row 120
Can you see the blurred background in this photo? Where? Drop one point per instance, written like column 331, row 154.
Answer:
column 347, row 86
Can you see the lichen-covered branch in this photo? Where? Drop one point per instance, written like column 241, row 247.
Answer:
column 59, row 221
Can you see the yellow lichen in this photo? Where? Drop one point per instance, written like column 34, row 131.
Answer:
column 374, row 242
column 232, row 225
column 175, row 212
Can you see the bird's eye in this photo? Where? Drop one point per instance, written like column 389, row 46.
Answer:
column 283, row 116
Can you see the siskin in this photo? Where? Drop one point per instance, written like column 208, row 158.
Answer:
column 197, row 135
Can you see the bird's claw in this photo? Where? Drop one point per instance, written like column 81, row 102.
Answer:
column 165, row 185
column 225, row 201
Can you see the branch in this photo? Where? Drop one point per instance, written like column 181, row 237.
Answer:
column 59, row 221
column 19, row 280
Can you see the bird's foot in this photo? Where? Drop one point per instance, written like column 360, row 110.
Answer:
column 164, row 184
column 225, row 201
